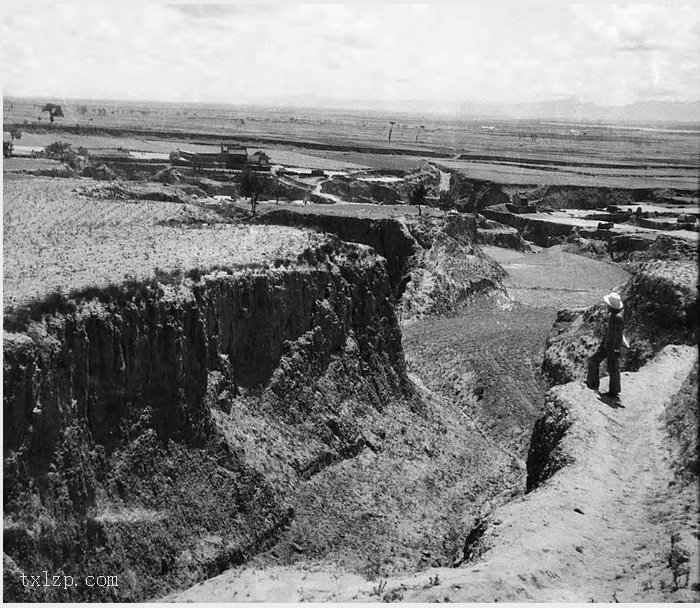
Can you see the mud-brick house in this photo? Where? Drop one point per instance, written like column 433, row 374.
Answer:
column 230, row 156
column 234, row 156
column 259, row 159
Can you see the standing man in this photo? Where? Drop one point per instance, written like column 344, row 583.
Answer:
column 609, row 349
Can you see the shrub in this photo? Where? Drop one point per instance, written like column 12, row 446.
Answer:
column 62, row 151
column 195, row 274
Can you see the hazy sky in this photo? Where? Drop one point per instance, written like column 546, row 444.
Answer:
column 497, row 52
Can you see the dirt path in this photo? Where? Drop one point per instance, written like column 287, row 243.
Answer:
column 444, row 181
column 617, row 546
column 599, row 529
column 332, row 198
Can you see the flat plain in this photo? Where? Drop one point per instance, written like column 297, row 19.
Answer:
column 506, row 151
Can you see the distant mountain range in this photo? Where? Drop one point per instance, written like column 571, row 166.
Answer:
column 577, row 111
column 565, row 110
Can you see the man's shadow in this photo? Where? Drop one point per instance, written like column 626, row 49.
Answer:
column 611, row 402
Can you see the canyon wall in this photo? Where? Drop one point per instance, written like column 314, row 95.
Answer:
column 158, row 436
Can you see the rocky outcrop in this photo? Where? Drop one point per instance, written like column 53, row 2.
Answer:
column 100, row 171
column 665, row 247
column 157, row 436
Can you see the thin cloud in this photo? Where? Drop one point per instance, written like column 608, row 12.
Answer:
column 639, row 44
column 209, row 11
column 387, row 52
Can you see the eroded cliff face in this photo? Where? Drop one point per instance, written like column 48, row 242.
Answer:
column 159, row 439
column 447, row 269
column 434, row 264
column 472, row 195
column 388, row 237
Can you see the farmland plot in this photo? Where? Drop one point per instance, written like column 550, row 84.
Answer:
column 55, row 238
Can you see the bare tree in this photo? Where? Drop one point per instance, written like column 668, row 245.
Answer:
column 391, row 128
column 421, row 128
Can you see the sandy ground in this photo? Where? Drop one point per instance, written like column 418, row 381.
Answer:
column 599, row 530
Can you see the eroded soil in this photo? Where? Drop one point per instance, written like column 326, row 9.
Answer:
column 482, row 365
column 599, row 530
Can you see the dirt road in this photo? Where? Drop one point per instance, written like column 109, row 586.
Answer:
column 598, row 530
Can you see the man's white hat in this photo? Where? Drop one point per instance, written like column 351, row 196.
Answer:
column 613, row 300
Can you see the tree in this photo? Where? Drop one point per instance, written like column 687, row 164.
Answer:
column 391, row 128
column 54, row 111
column 63, row 151
column 445, row 201
column 9, row 146
column 418, row 132
column 251, row 186
column 417, row 196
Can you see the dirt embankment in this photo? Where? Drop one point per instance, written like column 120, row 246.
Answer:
column 159, row 435
column 388, row 237
column 434, row 264
column 499, row 235
column 362, row 191
column 474, row 195
column 470, row 195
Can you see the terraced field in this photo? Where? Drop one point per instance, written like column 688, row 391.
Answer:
column 495, row 347
column 55, row 238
